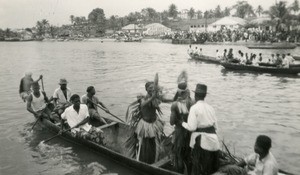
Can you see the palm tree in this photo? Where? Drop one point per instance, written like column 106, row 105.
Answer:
column 259, row 10
column 295, row 6
column 279, row 12
column 243, row 9
column 72, row 19
column 191, row 13
column 199, row 14
column 173, row 11
column 8, row 33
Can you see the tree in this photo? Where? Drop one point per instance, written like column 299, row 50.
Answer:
column 226, row 11
column 218, row 13
column 295, row 6
column 72, row 19
column 279, row 12
column 173, row 11
column 42, row 27
column 8, row 33
column 259, row 10
column 53, row 31
column 97, row 17
column 199, row 14
column 243, row 9
column 149, row 14
column 191, row 13
column 114, row 22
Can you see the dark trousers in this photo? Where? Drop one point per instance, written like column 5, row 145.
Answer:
column 204, row 162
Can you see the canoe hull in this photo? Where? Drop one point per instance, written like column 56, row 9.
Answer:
column 205, row 58
column 263, row 69
column 113, row 147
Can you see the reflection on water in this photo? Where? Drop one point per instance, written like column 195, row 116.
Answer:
column 247, row 104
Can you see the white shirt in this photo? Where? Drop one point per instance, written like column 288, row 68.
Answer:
column 202, row 115
column 59, row 95
column 285, row 63
column 73, row 118
column 266, row 166
column 219, row 55
column 39, row 103
column 290, row 59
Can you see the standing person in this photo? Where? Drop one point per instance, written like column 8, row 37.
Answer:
column 150, row 127
column 218, row 55
column 262, row 162
column 92, row 101
column 37, row 102
column 190, row 50
column 204, row 141
column 181, row 137
column 25, row 85
column 61, row 97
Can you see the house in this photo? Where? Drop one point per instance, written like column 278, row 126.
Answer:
column 228, row 23
column 201, row 25
column 264, row 23
column 156, row 29
column 132, row 28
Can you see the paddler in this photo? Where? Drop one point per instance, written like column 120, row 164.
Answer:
column 92, row 101
column 37, row 102
column 25, row 85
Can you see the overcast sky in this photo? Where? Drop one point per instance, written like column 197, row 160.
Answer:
column 25, row 13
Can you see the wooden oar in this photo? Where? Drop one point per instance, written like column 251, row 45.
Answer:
column 42, row 85
column 107, row 112
column 81, row 123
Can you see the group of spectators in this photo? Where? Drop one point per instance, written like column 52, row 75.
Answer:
column 228, row 35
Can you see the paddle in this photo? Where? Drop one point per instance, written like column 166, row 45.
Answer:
column 81, row 123
column 107, row 112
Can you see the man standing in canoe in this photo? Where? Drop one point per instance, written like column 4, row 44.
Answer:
column 149, row 128
column 25, row 85
column 37, row 102
column 181, row 137
column 61, row 97
column 204, row 141
column 92, row 101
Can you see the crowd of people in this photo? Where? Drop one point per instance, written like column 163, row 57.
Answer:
column 234, row 35
column 196, row 147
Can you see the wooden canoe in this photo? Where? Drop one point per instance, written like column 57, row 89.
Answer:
column 205, row 58
column 114, row 136
column 263, row 69
column 272, row 46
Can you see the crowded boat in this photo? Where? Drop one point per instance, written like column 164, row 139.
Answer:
column 193, row 147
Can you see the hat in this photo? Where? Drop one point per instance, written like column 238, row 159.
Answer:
column 63, row 81
column 201, row 89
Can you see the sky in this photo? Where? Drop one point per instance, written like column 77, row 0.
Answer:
column 25, row 13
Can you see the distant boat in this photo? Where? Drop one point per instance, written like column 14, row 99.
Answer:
column 205, row 58
column 293, row 69
column 272, row 46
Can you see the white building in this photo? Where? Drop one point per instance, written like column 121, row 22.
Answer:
column 132, row 28
column 228, row 23
column 156, row 29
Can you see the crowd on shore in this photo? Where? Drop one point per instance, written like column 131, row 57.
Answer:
column 279, row 60
column 195, row 144
column 227, row 35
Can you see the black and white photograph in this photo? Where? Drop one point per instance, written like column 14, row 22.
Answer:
column 149, row 87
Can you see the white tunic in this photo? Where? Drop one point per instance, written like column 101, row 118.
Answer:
column 266, row 166
column 202, row 115
column 73, row 118
column 59, row 95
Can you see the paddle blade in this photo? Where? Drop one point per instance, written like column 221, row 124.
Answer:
column 183, row 77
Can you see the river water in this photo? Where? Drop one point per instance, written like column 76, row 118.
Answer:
column 246, row 104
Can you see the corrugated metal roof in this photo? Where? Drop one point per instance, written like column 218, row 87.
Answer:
column 230, row 21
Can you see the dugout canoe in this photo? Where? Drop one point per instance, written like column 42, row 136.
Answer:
column 114, row 136
column 272, row 46
column 262, row 69
column 205, row 58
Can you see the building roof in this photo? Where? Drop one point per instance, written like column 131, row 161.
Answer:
column 185, row 24
column 131, row 27
column 154, row 25
column 230, row 21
